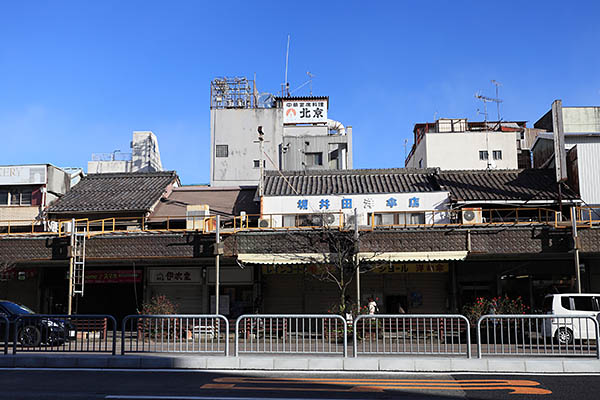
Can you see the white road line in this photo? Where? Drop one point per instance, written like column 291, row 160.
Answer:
column 133, row 397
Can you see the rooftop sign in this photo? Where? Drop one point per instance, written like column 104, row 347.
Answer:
column 23, row 175
column 305, row 111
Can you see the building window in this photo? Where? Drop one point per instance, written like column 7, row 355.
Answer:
column 497, row 154
column 314, row 159
column 421, row 163
column 26, row 198
column 256, row 163
column 222, row 150
column 3, row 197
column 483, row 155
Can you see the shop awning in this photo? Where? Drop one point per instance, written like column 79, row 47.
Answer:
column 413, row 256
column 285, row 258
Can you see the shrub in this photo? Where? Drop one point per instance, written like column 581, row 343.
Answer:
column 159, row 305
column 496, row 305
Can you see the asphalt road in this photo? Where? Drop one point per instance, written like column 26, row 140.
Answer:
column 192, row 385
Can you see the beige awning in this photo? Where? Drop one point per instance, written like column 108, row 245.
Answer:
column 285, row 258
column 413, row 256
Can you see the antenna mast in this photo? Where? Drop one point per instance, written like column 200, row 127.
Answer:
column 498, row 101
column 287, row 55
column 310, row 78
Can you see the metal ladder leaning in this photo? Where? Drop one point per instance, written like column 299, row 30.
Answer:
column 78, row 249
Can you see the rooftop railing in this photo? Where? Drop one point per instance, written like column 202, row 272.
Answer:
column 584, row 217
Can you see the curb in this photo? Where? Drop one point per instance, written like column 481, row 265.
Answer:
column 262, row 363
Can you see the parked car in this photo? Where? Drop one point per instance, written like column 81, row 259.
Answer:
column 566, row 330
column 33, row 329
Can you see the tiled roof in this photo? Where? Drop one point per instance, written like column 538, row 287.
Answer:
column 354, row 181
column 502, row 185
column 472, row 185
column 135, row 191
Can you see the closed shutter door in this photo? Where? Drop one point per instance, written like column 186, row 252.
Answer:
column 188, row 298
column 282, row 294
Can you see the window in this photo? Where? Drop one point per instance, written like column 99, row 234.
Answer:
column 565, row 302
column 497, row 154
column 400, row 218
column 483, row 155
column 585, row 303
column 222, row 150
column 3, row 197
column 421, row 163
column 26, row 198
column 257, row 163
column 314, row 159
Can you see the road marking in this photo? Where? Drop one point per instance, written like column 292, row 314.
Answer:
column 515, row 386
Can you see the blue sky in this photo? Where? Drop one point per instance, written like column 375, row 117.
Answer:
column 78, row 77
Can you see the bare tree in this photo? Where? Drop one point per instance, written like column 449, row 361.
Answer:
column 332, row 256
column 6, row 267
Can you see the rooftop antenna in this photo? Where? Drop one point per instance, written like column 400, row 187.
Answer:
column 498, row 101
column 287, row 55
column 485, row 100
column 310, row 78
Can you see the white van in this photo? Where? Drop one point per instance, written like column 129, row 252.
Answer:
column 565, row 330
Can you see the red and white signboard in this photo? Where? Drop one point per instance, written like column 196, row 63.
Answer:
column 304, row 111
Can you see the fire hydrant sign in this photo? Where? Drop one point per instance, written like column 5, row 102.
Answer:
column 311, row 111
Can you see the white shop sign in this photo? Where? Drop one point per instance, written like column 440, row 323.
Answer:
column 175, row 275
column 304, row 111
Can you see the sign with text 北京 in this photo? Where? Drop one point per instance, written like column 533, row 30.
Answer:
column 305, row 111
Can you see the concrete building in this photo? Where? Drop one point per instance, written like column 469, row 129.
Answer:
column 456, row 144
column 144, row 157
column 581, row 126
column 297, row 134
column 27, row 190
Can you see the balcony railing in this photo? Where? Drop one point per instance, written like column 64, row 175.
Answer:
column 584, row 217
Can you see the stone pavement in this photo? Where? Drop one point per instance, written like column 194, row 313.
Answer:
column 304, row 363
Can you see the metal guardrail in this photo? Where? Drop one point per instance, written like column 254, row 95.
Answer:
column 538, row 335
column 64, row 333
column 429, row 334
column 5, row 332
column 175, row 334
column 291, row 334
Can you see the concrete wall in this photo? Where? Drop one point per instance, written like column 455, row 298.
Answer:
column 294, row 158
column 419, row 154
column 105, row 167
column 453, row 151
column 237, row 128
column 581, row 119
column 59, row 182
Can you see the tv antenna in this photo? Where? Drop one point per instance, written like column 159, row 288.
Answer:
column 309, row 81
column 497, row 84
column 286, row 89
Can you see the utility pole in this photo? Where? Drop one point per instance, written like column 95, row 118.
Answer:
column 261, row 143
column 356, row 260
column 575, row 247
column 71, row 265
column 217, row 262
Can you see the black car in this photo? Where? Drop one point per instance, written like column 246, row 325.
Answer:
column 32, row 329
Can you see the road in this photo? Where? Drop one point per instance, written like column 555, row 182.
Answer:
column 195, row 385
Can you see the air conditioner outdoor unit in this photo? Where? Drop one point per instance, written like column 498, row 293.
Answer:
column 264, row 222
column 472, row 216
column 196, row 215
column 329, row 219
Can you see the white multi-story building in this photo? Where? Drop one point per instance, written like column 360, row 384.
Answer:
column 297, row 134
column 144, row 157
column 457, row 144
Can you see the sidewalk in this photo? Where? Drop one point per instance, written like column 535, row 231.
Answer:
column 303, row 363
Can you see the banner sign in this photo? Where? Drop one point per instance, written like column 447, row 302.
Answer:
column 304, row 111
column 113, row 276
column 393, row 268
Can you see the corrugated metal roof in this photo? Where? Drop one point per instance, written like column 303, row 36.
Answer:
column 136, row 191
